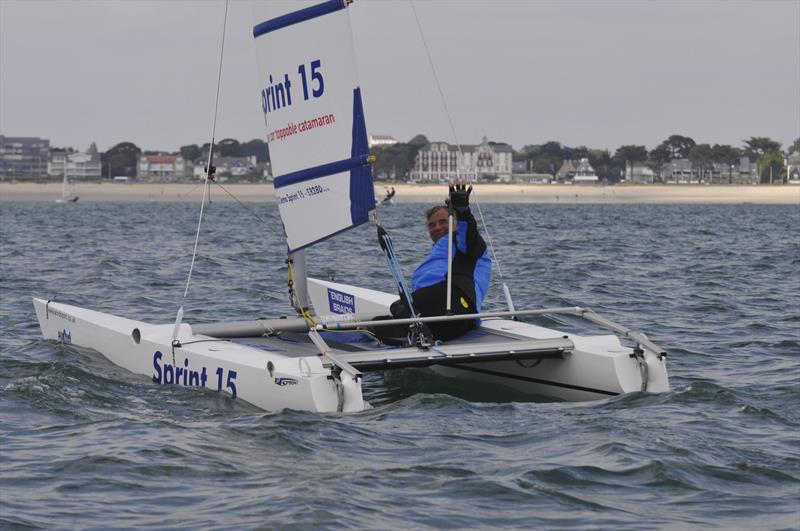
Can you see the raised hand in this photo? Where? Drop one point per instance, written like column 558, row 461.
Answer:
column 459, row 197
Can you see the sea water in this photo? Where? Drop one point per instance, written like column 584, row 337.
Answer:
column 85, row 444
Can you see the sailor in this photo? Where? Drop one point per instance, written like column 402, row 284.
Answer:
column 471, row 268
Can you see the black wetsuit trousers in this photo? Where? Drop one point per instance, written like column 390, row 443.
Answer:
column 431, row 301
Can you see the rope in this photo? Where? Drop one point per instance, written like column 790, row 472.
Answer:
column 436, row 78
column 453, row 131
column 394, row 265
column 210, row 153
column 259, row 218
column 302, row 312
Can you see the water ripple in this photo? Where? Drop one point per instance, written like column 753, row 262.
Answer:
column 87, row 444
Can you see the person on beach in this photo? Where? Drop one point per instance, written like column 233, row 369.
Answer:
column 471, row 269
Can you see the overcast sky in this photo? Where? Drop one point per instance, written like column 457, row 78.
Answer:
column 600, row 73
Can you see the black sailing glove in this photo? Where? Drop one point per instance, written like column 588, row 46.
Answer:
column 459, row 198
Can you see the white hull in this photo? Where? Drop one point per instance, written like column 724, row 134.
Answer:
column 275, row 378
column 598, row 367
column 295, row 383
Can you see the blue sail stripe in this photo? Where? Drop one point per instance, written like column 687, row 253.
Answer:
column 362, row 191
column 323, row 170
column 296, row 17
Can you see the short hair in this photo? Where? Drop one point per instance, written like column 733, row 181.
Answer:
column 433, row 210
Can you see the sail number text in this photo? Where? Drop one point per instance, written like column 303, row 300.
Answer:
column 187, row 376
column 278, row 93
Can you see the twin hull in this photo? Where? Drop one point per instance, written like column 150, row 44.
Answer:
column 597, row 367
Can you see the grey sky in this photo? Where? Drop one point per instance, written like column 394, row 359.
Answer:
column 600, row 74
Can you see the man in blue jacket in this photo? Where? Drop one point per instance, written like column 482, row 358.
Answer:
column 471, row 269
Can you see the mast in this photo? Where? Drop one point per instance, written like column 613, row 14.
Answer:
column 298, row 281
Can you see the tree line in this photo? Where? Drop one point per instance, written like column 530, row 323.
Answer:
column 398, row 159
column 122, row 158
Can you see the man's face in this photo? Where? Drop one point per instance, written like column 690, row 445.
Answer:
column 437, row 224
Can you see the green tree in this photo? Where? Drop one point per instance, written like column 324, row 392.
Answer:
column 121, row 160
column 795, row 147
column 701, row 157
column 544, row 158
column 256, row 147
column 228, row 147
column 628, row 156
column 768, row 154
column 394, row 161
column 419, row 141
column 658, row 157
column 678, row 146
column 727, row 155
column 577, row 153
column 603, row 165
column 190, row 152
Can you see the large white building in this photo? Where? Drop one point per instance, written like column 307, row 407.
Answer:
column 75, row 165
column 440, row 161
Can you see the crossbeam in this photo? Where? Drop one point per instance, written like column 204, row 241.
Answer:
column 588, row 314
column 460, row 353
column 349, row 325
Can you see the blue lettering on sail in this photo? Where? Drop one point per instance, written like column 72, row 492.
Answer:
column 340, row 302
column 278, row 92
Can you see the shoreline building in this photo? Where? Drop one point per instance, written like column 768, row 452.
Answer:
column 440, row 162
column 681, row 171
column 76, row 165
column 230, row 167
column 162, row 168
column 577, row 172
column 24, row 157
column 584, row 173
column 639, row 173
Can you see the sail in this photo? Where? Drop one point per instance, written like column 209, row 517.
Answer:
column 312, row 108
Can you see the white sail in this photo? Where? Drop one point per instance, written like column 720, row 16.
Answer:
column 66, row 191
column 315, row 122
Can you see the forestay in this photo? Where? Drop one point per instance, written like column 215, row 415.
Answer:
column 315, row 122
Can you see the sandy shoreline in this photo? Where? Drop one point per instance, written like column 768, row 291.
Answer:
column 487, row 193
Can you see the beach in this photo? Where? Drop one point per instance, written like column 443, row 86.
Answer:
column 419, row 193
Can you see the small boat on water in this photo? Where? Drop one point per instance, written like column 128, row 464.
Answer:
column 67, row 196
column 316, row 360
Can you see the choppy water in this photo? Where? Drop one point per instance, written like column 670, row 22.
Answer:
column 86, row 444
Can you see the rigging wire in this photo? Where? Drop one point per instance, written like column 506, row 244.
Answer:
column 458, row 146
column 209, row 168
column 259, row 218
column 206, row 188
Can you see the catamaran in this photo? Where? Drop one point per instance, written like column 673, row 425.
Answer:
column 315, row 360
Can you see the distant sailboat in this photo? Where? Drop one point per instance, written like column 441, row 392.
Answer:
column 66, row 190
